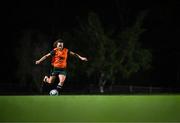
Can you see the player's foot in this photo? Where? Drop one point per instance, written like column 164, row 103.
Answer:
column 45, row 78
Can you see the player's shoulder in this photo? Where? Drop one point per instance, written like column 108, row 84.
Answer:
column 66, row 49
column 55, row 49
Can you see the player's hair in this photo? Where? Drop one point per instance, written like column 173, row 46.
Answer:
column 56, row 42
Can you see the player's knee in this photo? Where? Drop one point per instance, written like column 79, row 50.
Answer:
column 49, row 81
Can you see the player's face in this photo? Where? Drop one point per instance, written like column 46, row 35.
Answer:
column 60, row 45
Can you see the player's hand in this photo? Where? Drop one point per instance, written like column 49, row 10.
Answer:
column 38, row 62
column 84, row 59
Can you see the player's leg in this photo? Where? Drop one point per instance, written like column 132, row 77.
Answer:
column 62, row 79
column 49, row 79
column 46, row 84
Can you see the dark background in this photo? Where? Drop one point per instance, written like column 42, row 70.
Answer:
column 55, row 16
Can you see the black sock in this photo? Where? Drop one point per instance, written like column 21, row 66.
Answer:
column 59, row 87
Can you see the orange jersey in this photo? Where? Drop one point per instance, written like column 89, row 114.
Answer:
column 59, row 58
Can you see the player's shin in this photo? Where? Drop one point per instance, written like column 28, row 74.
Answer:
column 59, row 86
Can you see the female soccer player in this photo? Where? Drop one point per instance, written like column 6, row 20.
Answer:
column 59, row 62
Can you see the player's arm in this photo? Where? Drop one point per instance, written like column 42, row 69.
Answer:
column 43, row 58
column 77, row 55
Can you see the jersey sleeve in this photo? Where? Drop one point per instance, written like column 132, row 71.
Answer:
column 52, row 52
column 68, row 52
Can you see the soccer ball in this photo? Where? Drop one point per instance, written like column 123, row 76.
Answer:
column 53, row 92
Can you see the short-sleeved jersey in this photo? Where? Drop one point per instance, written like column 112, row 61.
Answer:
column 59, row 58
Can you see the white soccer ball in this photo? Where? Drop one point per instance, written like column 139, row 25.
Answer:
column 53, row 92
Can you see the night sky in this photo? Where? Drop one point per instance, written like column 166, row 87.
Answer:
column 162, row 24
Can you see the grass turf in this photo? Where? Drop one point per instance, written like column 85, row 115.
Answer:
column 90, row 108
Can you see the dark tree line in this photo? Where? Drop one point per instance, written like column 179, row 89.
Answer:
column 112, row 56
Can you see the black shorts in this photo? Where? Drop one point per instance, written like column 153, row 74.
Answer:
column 58, row 71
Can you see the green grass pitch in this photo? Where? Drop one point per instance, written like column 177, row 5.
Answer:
column 90, row 108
